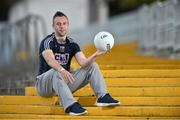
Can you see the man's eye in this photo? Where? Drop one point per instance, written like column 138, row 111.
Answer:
column 58, row 24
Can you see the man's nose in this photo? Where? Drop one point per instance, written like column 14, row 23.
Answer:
column 61, row 26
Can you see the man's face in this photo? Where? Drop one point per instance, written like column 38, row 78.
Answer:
column 60, row 25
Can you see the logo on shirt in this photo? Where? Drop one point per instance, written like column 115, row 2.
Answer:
column 62, row 48
column 62, row 58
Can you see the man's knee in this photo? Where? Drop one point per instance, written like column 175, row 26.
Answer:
column 57, row 75
column 94, row 65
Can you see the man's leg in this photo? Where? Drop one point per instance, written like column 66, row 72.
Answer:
column 93, row 76
column 51, row 83
column 90, row 75
column 44, row 85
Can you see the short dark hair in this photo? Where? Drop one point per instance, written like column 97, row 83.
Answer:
column 59, row 14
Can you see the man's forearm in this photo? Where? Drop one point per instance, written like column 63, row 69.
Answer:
column 89, row 60
column 55, row 65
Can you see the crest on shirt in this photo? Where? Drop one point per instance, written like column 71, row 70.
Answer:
column 62, row 58
column 62, row 48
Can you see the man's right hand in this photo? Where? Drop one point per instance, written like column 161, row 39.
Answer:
column 67, row 76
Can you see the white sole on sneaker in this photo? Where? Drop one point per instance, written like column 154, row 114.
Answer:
column 76, row 114
column 107, row 104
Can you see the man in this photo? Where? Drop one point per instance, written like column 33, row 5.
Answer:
column 55, row 77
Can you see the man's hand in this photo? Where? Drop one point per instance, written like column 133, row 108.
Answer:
column 67, row 76
column 99, row 52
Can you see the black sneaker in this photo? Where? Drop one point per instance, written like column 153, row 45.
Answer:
column 75, row 109
column 107, row 100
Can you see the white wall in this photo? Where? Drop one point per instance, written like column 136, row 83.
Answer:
column 76, row 10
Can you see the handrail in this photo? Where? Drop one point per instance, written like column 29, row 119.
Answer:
column 21, row 39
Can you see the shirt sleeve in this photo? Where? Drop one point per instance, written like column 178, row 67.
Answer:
column 76, row 48
column 47, row 43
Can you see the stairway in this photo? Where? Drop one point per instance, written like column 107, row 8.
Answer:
column 148, row 88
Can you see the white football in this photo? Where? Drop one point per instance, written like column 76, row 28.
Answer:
column 103, row 41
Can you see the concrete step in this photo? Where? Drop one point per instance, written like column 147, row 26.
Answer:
column 28, row 100
column 85, row 117
column 90, row 101
column 131, row 48
column 132, row 66
column 137, row 66
column 131, row 60
column 134, row 58
column 124, row 91
column 139, row 111
column 148, row 73
column 136, row 101
column 142, row 82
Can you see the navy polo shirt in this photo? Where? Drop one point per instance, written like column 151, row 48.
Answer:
column 63, row 52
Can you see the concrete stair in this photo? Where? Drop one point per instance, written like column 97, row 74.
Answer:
column 148, row 88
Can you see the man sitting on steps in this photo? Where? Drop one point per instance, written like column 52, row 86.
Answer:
column 55, row 77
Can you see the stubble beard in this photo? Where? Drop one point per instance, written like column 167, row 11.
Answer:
column 61, row 34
